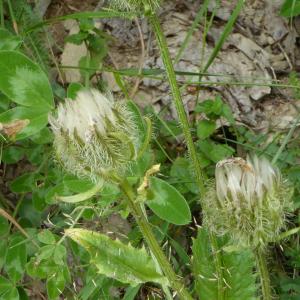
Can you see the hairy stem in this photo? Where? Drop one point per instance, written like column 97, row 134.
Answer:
column 218, row 265
column 162, row 43
column 262, row 267
column 177, row 98
column 136, row 210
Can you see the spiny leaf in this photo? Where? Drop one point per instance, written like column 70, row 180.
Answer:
column 238, row 277
column 117, row 260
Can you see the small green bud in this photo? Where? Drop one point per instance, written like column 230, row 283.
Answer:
column 95, row 137
column 248, row 201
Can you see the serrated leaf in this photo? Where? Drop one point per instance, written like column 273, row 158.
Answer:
column 167, row 203
column 214, row 151
column 117, row 260
column 238, row 277
column 205, row 128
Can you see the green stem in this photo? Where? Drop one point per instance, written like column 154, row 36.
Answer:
column 163, row 46
column 162, row 43
column 286, row 140
column 12, row 15
column 263, row 273
column 218, row 265
column 72, row 226
column 1, row 14
column 146, row 230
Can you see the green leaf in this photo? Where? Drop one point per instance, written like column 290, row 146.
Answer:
column 46, row 252
column 38, row 199
column 4, row 103
column 82, row 196
column 66, row 188
column 3, row 250
column 24, row 183
column 11, row 294
column 237, row 271
column 78, row 185
column 85, row 15
column 5, row 285
column 37, row 117
column 76, row 38
column 41, row 269
column 167, row 203
column 55, row 285
column 205, row 128
column 117, row 260
column 24, row 82
column 91, row 287
column 215, row 109
column 98, row 46
column 131, row 292
column 181, row 171
column 8, row 41
column 214, row 152
column 60, row 254
column 73, row 89
column 4, row 227
column 45, row 136
column 12, row 154
column 290, row 8
column 46, row 237
column 16, row 258
column 22, row 294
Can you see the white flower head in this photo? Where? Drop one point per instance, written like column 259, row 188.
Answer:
column 248, row 201
column 95, row 136
column 135, row 5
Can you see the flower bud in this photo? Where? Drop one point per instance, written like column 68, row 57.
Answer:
column 249, row 201
column 95, row 137
column 135, row 5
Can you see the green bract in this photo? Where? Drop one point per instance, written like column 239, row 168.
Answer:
column 248, row 201
column 95, row 137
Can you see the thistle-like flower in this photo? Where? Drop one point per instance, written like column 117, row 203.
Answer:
column 95, row 137
column 248, row 201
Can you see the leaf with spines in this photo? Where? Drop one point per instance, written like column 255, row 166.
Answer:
column 117, row 260
column 238, row 278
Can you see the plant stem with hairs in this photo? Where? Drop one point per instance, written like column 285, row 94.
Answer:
column 136, row 210
column 163, row 47
column 264, row 275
